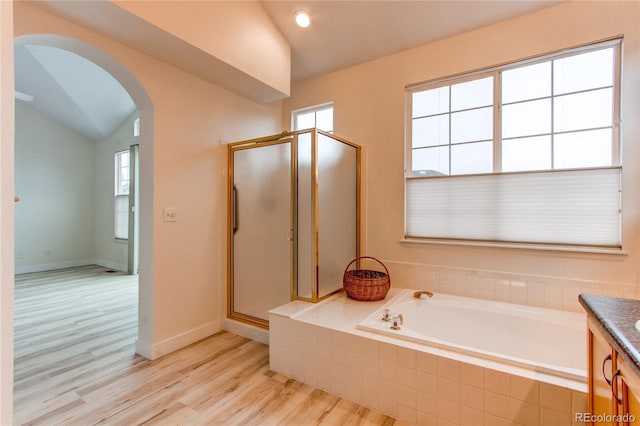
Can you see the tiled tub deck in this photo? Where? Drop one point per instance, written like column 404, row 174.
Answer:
column 319, row 344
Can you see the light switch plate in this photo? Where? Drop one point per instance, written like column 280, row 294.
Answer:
column 170, row 214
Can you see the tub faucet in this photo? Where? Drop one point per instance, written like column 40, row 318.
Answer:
column 398, row 320
column 386, row 315
column 418, row 294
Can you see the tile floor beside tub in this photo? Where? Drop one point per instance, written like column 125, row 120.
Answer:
column 407, row 383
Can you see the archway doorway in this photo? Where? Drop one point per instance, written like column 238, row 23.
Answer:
column 145, row 110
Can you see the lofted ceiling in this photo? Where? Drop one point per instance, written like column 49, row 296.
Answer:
column 71, row 90
column 84, row 97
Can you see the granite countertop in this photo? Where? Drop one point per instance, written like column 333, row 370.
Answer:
column 616, row 319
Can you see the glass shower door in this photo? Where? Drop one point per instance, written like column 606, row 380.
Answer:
column 337, row 209
column 261, row 226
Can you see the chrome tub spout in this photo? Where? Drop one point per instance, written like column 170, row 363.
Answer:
column 418, row 294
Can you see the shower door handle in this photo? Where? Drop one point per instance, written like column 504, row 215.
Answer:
column 234, row 208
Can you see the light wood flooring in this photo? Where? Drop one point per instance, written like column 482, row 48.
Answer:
column 75, row 364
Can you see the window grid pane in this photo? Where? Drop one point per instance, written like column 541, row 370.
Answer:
column 584, row 110
column 472, row 125
column 305, row 121
column 577, row 103
column 471, row 158
column 324, row 119
column 430, row 131
column 528, row 82
column 431, row 161
column 530, row 153
column 569, row 75
column 121, row 211
column 440, row 122
column 591, row 148
column 431, row 102
column 122, row 173
column 476, row 93
column 526, row 118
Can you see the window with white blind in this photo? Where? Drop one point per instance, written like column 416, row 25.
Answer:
column 522, row 153
column 121, row 193
column 320, row 116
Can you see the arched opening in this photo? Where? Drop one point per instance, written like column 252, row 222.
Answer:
column 145, row 109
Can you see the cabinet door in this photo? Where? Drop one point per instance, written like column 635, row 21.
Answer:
column 601, row 360
column 630, row 412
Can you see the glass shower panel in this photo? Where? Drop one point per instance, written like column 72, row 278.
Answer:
column 337, row 211
column 304, row 216
column 261, row 229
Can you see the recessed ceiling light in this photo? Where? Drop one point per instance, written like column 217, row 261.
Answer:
column 303, row 19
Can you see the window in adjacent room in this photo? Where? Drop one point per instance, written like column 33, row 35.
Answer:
column 320, row 116
column 136, row 127
column 121, row 193
column 522, row 153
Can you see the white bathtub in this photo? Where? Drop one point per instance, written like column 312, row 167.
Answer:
column 478, row 362
column 537, row 339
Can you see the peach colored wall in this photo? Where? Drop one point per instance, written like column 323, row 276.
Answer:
column 183, row 269
column 238, row 33
column 369, row 110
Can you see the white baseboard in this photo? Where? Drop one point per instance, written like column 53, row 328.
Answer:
column 112, row 265
column 27, row 269
column 245, row 330
column 154, row 351
column 145, row 349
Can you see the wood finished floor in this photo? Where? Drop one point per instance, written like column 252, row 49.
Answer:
column 75, row 364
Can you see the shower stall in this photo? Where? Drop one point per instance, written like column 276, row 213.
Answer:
column 294, row 220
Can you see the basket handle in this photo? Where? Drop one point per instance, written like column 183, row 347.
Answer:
column 368, row 257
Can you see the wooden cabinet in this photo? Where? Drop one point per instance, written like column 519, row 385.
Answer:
column 613, row 387
column 630, row 392
column 601, row 356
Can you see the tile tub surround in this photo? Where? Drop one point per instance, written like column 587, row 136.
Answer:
column 320, row 346
column 523, row 289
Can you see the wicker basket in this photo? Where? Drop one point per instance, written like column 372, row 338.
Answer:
column 364, row 284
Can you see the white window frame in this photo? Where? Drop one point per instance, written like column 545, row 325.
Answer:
column 497, row 140
column 121, row 198
column 496, row 73
column 136, row 127
column 313, row 109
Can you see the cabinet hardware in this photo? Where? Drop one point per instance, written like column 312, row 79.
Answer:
column 614, row 386
column 604, row 374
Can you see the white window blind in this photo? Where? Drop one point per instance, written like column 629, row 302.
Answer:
column 568, row 207
column 121, row 222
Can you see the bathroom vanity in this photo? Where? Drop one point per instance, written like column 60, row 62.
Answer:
column 613, row 360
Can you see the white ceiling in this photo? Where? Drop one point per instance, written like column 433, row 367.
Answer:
column 346, row 33
column 342, row 33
